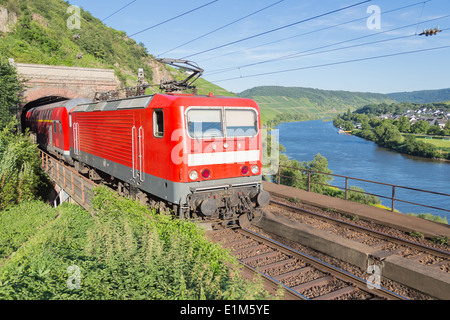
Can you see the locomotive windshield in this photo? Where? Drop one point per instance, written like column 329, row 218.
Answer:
column 207, row 123
column 241, row 123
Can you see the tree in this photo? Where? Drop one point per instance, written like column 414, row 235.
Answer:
column 421, row 126
column 348, row 126
column 338, row 122
column 367, row 134
column 374, row 122
column 296, row 177
column 434, row 130
column 348, row 116
column 11, row 89
column 361, row 118
column 447, row 129
column 387, row 134
column 319, row 164
column 403, row 124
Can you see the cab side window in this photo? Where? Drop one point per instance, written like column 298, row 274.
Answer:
column 158, row 123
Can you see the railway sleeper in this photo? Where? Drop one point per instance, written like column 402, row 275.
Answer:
column 314, row 283
column 335, row 294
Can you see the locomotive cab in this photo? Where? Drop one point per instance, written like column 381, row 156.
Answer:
column 223, row 164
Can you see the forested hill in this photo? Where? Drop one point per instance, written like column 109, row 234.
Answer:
column 424, row 96
column 36, row 31
column 297, row 103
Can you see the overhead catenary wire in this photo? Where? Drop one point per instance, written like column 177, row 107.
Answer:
column 313, row 31
column 277, row 29
column 420, row 18
column 222, row 27
column 307, row 52
column 117, row 11
column 334, row 63
column 176, row 17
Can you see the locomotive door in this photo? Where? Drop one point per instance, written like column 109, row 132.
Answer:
column 137, row 150
column 76, row 138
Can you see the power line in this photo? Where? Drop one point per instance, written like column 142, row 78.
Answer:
column 334, row 63
column 223, row 27
column 421, row 13
column 303, row 53
column 277, row 29
column 178, row 16
column 314, row 31
column 119, row 10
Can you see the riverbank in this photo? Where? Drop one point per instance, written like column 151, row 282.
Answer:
column 349, row 155
column 409, row 145
column 396, row 134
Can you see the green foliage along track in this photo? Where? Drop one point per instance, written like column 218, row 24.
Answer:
column 124, row 251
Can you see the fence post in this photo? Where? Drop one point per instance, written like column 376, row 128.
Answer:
column 393, row 198
column 279, row 174
column 309, row 181
column 346, row 188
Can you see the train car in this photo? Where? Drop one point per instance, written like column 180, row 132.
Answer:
column 49, row 125
column 202, row 155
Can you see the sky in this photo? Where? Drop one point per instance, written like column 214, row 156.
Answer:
column 351, row 45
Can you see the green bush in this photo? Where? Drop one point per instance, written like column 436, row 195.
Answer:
column 21, row 177
column 431, row 217
column 125, row 251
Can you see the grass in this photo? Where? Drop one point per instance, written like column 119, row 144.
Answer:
column 438, row 142
column 20, row 223
column 124, row 252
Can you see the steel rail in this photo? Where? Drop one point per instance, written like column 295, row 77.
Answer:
column 323, row 266
column 385, row 236
column 268, row 281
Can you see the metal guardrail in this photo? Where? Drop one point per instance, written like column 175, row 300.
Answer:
column 393, row 187
column 78, row 187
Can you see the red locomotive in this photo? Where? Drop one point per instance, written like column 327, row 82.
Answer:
column 200, row 154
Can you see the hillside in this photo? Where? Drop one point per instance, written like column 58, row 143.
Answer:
column 295, row 103
column 36, row 31
column 423, row 96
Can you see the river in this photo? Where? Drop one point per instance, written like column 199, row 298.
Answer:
column 356, row 157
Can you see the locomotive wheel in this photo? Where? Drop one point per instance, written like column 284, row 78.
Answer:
column 244, row 220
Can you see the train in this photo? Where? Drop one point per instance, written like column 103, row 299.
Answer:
column 199, row 155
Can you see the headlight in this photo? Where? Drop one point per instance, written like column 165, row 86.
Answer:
column 255, row 169
column 193, row 175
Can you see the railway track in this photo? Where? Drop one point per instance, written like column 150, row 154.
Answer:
column 421, row 253
column 303, row 277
